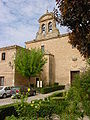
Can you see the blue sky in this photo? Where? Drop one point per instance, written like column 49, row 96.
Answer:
column 19, row 20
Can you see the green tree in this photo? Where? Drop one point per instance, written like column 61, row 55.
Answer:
column 75, row 14
column 29, row 63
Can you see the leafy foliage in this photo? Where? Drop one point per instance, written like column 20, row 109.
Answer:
column 21, row 106
column 20, row 118
column 75, row 14
column 79, row 96
column 29, row 63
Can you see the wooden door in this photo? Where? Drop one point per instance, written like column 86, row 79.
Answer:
column 73, row 74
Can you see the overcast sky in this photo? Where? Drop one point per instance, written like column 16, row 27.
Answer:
column 19, row 20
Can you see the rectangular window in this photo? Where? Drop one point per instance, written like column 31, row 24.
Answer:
column 42, row 48
column 1, row 81
column 3, row 56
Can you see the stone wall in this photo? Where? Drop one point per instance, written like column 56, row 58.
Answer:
column 7, row 66
column 66, row 58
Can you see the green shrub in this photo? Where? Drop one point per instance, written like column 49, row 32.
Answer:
column 78, row 98
column 40, row 118
column 51, row 89
column 59, row 106
column 67, row 116
column 11, row 118
column 56, row 84
column 22, row 105
column 46, row 110
column 7, row 110
column 23, row 118
column 58, row 98
column 20, row 118
column 58, row 94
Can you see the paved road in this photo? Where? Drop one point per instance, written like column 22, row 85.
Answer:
column 36, row 97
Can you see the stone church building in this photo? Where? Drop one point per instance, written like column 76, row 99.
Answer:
column 63, row 59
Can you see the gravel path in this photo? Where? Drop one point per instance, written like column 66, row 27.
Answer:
column 38, row 96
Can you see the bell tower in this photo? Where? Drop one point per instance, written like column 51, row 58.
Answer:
column 47, row 27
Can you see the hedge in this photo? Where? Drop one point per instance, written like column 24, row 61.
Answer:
column 44, row 108
column 10, row 113
column 59, row 94
column 51, row 89
column 7, row 110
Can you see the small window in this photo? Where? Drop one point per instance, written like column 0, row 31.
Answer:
column 42, row 48
column 43, row 28
column 3, row 56
column 1, row 81
column 50, row 26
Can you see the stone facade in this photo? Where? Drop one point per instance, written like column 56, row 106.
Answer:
column 8, row 74
column 66, row 59
column 63, row 61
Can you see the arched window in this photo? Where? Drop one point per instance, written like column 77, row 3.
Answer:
column 50, row 27
column 43, row 28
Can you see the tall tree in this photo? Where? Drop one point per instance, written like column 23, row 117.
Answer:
column 75, row 14
column 29, row 63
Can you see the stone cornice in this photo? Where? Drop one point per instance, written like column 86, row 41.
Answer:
column 10, row 47
column 34, row 41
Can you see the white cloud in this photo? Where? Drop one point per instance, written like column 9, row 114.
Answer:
column 5, row 16
column 19, row 19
